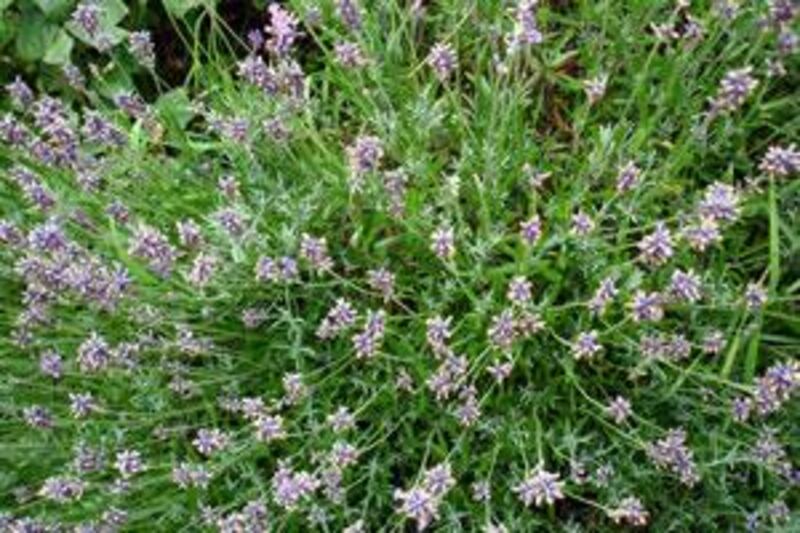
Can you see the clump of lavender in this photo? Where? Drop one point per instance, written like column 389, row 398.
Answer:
column 443, row 243
column 187, row 475
column 755, row 296
column 282, row 31
column 368, row 342
column 364, row 156
column 63, row 489
column 94, row 354
column 438, row 334
column 619, row 409
column 526, row 30
column 647, row 306
column 603, row 296
column 203, row 269
column 129, row 463
column 290, row 488
column 211, row 441
column 502, row 331
column 152, row 246
column 539, row 488
column 628, row 177
column 582, row 224
column 519, row 291
column 269, row 428
column 531, row 230
column 314, row 250
column 421, row 502
column 781, row 161
column 87, row 15
column 720, row 203
column 736, row 86
column 350, row 14
column 443, row 60
column 685, row 286
column 586, row 345
column 630, row 511
column 656, row 248
column 349, row 55
column 672, row 453
column 140, row 44
column 339, row 318
column 776, row 387
column 20, row 92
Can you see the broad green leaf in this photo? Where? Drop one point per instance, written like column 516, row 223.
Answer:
column 58, row 53
column 179, row 8
column 175, row 107
column 34, row 36
column 54, row 7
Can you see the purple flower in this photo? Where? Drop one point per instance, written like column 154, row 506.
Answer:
column 686, row 285
column 502, row 331
column 152, row 246
column 315, row 252
column 531, row 230
column 628, row 177
column 781, row 161
column 203, row 269
column 619, row 409
column 210, row 441
column 526, row 30
column 519, row 291
column 647, row 307
column 129, row 463
column 586, row 345
column 94, row 354
column 21, row 94
column 87, row 16
column 438, row 334
column 269, row 428
column 364, row 156
column 603, row 296
column 672, row 453
column 339, row 318
column 350, row 13
column 349, row 55
column 62, row 489
column 736, row 86
column 141, row 47
column 443, row 243
column 702, row 234
column 289, row 488
column 630, row 511
column 539, row 487
column 582, row 224
column 755, row 296
column 282, row 31
column 443, row 60
column 656, row 248
column 720, row 203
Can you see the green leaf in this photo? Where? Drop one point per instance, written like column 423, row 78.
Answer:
column 54, row 7
column 34, row 36
column 58, row 53
column 175, row 107
column 4, row 4
column 179, row 8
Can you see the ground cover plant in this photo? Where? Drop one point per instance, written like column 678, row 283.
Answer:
column 387, row 266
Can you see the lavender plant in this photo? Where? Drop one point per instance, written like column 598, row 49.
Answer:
column 377, row 266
